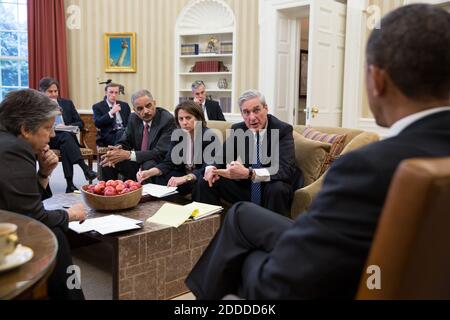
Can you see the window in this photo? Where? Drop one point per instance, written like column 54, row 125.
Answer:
column 13, row 46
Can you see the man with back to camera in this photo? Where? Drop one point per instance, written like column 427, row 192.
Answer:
column 323, row 252
column 110, row 116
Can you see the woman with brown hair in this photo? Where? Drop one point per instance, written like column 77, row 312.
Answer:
column 184, row 164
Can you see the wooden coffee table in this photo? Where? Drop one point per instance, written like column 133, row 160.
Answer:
column 152, row 262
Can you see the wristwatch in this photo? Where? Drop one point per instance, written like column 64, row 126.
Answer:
column 189, row 178
column 250, row 173
column 43, row 176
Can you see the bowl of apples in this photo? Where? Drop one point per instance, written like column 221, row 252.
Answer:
column 112, row 195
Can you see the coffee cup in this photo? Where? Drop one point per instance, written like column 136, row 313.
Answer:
column 8, row 239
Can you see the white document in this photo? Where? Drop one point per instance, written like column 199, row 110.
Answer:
column 158, row 191
column 171, row 215
column 105, row 225
column 73, row 129
column 200, row 210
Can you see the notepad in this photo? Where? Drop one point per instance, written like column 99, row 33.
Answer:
column 105, row 225
column 175, row 215
column 171, row 215
column 158, row 191
column 201, row 210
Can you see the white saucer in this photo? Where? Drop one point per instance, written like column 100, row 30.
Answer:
column 21, row 255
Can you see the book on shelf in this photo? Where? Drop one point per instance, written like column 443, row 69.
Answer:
column 226, row 47
column 209, row 66
column 189, row 49
column 183, row 99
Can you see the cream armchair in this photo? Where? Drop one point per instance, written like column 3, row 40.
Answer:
column 303, row 197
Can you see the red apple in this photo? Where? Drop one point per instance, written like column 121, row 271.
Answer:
column 111, row 183
column 126, row 190
column 120, row 187
column 99, row 189
column 110, row 191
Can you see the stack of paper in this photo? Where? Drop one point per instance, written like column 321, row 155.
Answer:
column 171, row 215
column 105, row 225
column 201, row 210
column 73, row 129
column 158, row 191
column 175, row 215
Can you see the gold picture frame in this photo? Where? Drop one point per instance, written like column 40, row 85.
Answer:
column 120, row 52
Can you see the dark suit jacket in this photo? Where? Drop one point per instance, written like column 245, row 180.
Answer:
column 20, row 190
column 323, row 254
column 159, row 137
column 287, row 171
column 69, row 113
column 213, row 110
column 167, row 166
column 105, row 123
column 71, row 118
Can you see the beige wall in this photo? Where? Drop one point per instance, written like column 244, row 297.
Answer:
column 385, row 6
column 154, row 23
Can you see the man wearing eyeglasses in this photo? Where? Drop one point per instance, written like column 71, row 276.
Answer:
column 211, row 108
column 145, row 141
column 258, row 161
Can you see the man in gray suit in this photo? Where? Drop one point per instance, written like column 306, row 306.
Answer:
column 145, row 142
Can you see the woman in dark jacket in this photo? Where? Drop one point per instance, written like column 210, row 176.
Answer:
column 27, row 119
column 184, row 163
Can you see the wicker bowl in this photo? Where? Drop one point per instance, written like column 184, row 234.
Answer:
column 111, row 203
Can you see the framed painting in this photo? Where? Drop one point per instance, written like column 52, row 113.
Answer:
column 120, row 52
column 303, row 73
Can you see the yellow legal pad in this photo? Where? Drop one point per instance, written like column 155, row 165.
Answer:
column 175, row 215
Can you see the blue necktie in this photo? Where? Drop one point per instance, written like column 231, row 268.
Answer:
column 256, row 186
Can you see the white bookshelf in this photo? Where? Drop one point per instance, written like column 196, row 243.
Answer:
column 217, row 21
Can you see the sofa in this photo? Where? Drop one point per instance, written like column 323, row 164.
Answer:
column 314, row 157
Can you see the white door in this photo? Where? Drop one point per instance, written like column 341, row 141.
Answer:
column 326, row 63
column 285, row 97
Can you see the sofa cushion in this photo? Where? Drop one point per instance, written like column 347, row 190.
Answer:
column 309, row 156
column 337, row 142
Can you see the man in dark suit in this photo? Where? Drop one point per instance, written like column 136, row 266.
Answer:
column 211, row 108
column 268, row 181
column 322, row 254
column 66, row 142
column 145, row 142
column 110, row 116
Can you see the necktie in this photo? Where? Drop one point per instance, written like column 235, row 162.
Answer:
column 144, row 144
column 256, row 186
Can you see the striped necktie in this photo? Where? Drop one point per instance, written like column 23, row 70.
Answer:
column 256, row 186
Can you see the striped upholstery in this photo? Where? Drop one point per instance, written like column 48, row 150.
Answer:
column 337, row 142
